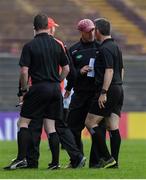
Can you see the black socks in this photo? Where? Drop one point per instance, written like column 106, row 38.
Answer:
column 95, row 155
column 98, row 140
column 115, row 142
column 54, row 147
column 23, row 137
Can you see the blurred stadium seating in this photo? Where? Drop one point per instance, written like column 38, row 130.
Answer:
column 138, row 6
column 16, row 18
column 127, row 17
column 130, row 36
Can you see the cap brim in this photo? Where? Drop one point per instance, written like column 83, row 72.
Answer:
column 57, row 25
column 89, row 29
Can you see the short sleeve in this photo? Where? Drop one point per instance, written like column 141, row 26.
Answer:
column 63, row 58
column 107, row 58
column 25, row 58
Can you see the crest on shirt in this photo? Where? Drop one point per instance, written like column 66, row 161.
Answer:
column 79, row 56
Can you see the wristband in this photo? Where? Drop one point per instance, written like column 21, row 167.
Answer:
column 103, row 91
column 19, row 94
column 24, row 90
column 21, row 91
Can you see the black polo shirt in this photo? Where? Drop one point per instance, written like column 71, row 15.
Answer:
column 109, row 56
column 80, row 54
column 43, row 55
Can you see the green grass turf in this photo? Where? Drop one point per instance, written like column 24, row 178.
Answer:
column 132, row 163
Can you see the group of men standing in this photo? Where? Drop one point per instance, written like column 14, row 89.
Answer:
column 93, row 68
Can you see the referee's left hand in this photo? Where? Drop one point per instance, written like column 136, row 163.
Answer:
column 102, row 100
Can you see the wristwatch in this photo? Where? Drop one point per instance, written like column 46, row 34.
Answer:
column 24, row 90
column 103, row 91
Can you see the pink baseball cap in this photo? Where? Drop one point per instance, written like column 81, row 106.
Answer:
column 85, row 25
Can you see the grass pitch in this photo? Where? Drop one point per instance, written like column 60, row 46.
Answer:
column 132, row 163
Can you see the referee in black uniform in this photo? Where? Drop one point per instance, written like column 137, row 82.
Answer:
column 109, row 96
column 40, row 59
column 65, row 135
column 83, row 55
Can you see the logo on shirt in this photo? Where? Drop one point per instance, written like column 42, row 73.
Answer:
column 79, row 56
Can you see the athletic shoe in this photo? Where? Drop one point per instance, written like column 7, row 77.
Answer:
column 115, row 166
column 110, row 162
column 98, row 165
column 32, row 165
column 17, row 164
column 53, row 166
column 105, row 164
column 79, row 163
column 82, row 162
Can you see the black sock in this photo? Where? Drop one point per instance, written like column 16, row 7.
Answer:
column 23, row 137
column 98, row 140
column 95, row 154
column 54, row 147
column 115, row 142
column 103, row 132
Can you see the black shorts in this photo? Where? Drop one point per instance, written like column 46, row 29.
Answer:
column 114, row 102
column 43, row 100
column 78, row 110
